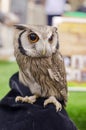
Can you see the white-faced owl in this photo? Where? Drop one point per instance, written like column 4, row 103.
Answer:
column 41, row 66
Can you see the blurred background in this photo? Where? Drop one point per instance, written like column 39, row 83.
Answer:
column 70, row 18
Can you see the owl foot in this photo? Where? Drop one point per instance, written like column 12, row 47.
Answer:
column 53, row 100
column 26, row 99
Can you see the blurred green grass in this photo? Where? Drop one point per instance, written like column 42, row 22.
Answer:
column 76, row 109
column 76, row 106
column 76, row 84
column 6, row 70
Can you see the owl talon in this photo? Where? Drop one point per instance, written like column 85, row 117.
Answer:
column 18, row 98
column 53, row 100
column 26, row 99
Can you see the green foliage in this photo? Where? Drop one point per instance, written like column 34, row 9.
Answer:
column 76, row 106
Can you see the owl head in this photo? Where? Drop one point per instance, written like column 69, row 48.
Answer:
column 36, row 40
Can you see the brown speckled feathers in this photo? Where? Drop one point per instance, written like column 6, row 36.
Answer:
column 41, row 69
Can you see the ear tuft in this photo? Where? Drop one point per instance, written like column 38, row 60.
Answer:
column 20, row 26
column 55, row 29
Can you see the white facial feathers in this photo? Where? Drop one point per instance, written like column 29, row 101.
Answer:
column 37, row 40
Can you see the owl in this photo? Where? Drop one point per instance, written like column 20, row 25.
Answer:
column 41, row 65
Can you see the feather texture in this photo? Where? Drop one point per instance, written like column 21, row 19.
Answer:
column 44, row 74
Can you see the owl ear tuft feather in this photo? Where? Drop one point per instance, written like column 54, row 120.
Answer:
column 20, row 26
column 55, row 29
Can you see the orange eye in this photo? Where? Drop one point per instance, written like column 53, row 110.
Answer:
column 33, row 38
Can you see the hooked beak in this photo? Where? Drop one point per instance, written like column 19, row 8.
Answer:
column 44, row 49
column 43, row 52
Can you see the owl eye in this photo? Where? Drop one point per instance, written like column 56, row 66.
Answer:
column 33, row 38
column 51, row 39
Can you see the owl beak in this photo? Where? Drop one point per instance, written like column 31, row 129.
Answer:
column 44, row 49
column 43, row 52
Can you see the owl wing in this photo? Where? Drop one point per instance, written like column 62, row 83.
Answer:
column 57, row 73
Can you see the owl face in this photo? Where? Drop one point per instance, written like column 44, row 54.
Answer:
column 37, row 41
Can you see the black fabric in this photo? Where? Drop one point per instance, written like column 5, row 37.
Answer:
column 25, row 116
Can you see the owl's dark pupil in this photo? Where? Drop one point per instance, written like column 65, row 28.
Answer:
column 33, row 36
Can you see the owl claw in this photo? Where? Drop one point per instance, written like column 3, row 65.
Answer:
column 26, row 99
column 53, row 100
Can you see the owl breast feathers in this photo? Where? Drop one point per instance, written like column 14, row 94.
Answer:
column 41, row 66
